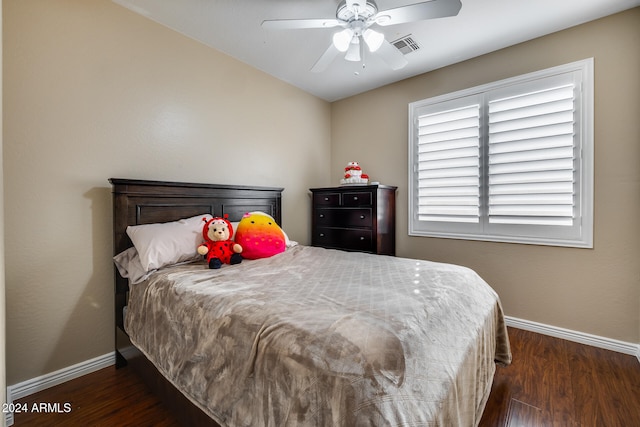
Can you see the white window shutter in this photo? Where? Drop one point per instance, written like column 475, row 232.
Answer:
column 508, row 161
column 531, row 158
column 449, row 165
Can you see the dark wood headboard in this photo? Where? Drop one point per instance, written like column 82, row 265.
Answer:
column 138, row 202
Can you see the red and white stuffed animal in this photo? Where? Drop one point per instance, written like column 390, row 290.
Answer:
column 218, row 246
column 353, row 175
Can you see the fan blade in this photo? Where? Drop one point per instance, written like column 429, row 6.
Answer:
column 299, row 24
column 327, row 58
column 392, row 56
column 419, row 12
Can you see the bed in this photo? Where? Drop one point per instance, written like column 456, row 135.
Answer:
column 310, row 336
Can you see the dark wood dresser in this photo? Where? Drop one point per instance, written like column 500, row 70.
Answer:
column 355, row 217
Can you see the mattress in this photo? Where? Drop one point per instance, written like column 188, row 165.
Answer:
column 320, row 337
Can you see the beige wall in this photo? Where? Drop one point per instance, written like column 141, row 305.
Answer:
column 3, row 371
column 94, row 91
column 594, row 291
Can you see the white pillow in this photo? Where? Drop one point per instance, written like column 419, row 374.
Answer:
column 129, row 266
column 234, row 225
column 168, row 243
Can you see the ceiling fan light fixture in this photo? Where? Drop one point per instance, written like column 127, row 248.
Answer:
column 373, row 39
column 342, row 39
column 353, row 52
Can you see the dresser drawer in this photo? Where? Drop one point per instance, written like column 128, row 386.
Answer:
column 345, row 217
column 357, row 199
column 357, row 240
column 326, row 199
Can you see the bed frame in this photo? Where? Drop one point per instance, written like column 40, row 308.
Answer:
column 138, row 202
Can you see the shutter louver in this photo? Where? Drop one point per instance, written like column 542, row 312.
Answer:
column 531, row 158
column 449, row 165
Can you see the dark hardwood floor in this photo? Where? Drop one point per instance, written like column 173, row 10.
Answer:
column 552, row 382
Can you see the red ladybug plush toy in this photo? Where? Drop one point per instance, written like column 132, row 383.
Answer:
column 218, row 246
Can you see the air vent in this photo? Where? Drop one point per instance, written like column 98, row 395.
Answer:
column 406, row 44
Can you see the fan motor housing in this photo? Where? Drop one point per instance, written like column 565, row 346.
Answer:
column 359, row 12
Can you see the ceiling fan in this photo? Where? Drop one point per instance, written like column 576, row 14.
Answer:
column 355, row 17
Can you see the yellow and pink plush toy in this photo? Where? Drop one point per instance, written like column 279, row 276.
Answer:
column 259, row 236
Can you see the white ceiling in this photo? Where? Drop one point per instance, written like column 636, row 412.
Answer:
column 482, row 26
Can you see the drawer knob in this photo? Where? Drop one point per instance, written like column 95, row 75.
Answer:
column 355, row 197
column 321, row 234
column 321, row 215
column 361, row 216
column 326, row 199
column 361, row 237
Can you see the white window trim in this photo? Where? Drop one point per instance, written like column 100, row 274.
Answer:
column 584, row 207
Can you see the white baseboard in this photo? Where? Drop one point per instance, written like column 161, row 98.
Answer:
column 26, row 388
column 575, row 336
